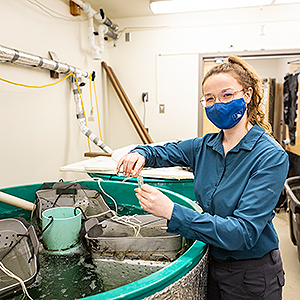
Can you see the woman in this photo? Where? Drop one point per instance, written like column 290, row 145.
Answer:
column 238, row 177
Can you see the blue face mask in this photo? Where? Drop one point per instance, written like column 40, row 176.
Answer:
column 226, row 115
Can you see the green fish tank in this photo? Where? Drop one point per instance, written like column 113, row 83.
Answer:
column 76, row 274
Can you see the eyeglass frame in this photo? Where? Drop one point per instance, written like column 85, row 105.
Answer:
column 203, row 101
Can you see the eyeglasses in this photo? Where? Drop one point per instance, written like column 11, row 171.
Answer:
column 224, row 96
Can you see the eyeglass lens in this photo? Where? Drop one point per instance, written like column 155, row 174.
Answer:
column 224, row 96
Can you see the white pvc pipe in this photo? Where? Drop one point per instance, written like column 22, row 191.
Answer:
column 15, row 201
column 101, row 31
column 93, row 46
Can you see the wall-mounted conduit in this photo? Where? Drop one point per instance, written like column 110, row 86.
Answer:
column 28, row 60
column 136, row 121
column 81, row 122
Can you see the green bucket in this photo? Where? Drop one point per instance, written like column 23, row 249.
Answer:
column 61, row 227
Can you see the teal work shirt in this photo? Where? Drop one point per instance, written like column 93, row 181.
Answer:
column 237, row 192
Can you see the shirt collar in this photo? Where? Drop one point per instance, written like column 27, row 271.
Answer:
column 246, row 143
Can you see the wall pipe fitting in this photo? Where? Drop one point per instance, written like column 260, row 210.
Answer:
column 100, row 17
column 106, row 21
column 108, row 32
column 113, row 35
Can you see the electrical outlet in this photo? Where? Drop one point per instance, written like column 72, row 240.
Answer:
column 145, row 97
column 161, row 108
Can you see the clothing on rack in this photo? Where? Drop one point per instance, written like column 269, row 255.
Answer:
column 290, row 97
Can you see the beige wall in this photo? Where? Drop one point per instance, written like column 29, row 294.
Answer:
column 236, row 30
column 38, row 128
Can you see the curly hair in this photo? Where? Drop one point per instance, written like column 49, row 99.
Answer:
column 247, row 77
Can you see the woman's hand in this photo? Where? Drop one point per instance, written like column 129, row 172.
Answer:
column 131, row 163
column 154, row 201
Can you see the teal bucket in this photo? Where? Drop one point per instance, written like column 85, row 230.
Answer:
column 61, row 227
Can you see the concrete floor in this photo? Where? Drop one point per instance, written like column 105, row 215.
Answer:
column 289, row 255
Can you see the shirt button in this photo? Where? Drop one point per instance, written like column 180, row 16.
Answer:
column 207, row 203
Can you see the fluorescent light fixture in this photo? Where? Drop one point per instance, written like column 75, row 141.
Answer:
column 286, row 1
column 178, row 6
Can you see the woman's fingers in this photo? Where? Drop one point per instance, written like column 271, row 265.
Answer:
column 119, row 164
column 131, row 163
column 154, row 201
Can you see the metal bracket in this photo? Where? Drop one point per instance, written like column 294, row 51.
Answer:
column 54, row 57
